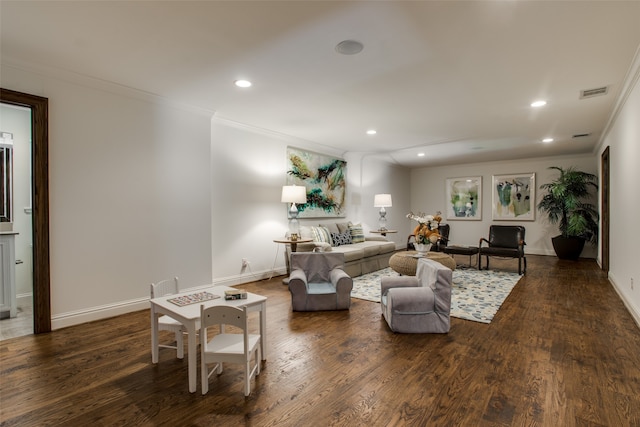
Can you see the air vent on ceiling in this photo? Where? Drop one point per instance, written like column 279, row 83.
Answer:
column 580, row 135
column 590, row 93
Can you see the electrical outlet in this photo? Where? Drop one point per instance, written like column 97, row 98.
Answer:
column 245, row 264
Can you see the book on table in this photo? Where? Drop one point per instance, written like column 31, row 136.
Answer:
column 232, row 294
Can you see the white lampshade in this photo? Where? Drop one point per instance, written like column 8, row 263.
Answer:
column 382, row 201
column 294, row 194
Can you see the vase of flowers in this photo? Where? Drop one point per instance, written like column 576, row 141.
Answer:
column 422, row 248
column 426, row 232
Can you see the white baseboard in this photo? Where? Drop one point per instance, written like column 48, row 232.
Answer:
column 90, row 314
column 24, row 300
column 632, row 310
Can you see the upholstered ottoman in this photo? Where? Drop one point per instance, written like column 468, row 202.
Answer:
column 405, row 263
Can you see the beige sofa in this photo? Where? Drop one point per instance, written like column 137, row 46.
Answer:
column 362, row 255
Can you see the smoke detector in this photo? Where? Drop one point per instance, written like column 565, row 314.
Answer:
column 349, row 47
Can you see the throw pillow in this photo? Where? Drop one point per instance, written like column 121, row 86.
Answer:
column 342, row 227
column 341, row 238
column 357, row 233
column 321, row 234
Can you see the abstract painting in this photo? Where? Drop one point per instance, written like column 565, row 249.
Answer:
column 514, row 197
column 324, row 179
column 464, row 198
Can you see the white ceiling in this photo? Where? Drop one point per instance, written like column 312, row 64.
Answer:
column 451, row 79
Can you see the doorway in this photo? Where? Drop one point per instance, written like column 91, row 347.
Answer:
column 39, row 107
column 16, row 221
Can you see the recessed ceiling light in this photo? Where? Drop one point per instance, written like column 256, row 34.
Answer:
column 243, row 83
column 420, row 154
column 540, row 103
column 547, row 140
column 372, row 132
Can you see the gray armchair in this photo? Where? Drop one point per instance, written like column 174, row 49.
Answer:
column 318, row 282
column 420, row 303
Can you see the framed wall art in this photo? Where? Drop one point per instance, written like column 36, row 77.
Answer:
column 514, row 197
column 464, row 198
column 324, row 178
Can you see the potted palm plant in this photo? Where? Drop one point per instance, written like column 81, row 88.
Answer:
column 566, row 203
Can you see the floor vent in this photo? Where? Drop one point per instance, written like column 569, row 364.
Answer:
column 590, row 93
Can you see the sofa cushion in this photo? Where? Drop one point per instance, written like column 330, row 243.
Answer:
column 305, row 232
column 357, row 233
column 342, row 226
column 340, row 239
column 351, row 252
column 331, row 226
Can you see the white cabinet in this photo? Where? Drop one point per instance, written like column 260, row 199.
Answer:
column 8, row 304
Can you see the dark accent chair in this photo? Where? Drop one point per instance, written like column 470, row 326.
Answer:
column 504, row 241
column 443, row 229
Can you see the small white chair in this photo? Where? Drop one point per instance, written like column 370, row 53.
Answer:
column 226, row 347
column 166, row 323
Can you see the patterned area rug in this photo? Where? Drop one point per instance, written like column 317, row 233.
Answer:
column 476, row 295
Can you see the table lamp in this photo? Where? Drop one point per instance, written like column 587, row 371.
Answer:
column 293, row 194
column 382, row 201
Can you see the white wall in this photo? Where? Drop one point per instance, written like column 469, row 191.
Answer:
column 370, row 175
column 248, row 171
column 129, row 183
column 428, row 195
column 623, row 138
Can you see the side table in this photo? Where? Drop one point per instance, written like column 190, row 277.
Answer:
column 383, row 232
column 294, row 247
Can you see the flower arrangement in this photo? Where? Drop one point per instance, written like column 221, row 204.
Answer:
column 427, row 229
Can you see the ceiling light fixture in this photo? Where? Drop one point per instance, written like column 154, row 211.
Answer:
column 349, row 47
column 537, row 104
column 372, row 132
column 547, row 140
column 243, row 83
column 420, row 154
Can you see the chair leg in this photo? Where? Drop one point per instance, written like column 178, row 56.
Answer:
column 247, row 377
column 204, row 377
column 179, row 345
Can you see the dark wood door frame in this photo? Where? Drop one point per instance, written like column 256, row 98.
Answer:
column 40, row 196
column 605, row 205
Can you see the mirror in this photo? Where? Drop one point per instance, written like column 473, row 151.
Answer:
column 6, row 176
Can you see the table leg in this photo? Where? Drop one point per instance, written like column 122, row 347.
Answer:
column 154, row 335
column 193, row 356
column 287, row 262
column 263, row 330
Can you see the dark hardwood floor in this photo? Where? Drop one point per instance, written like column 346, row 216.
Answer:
column 562, row 351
